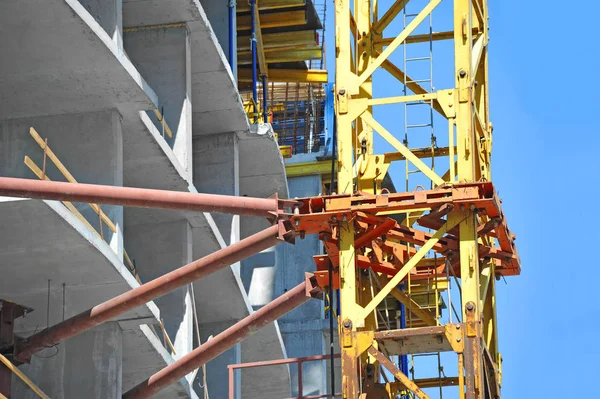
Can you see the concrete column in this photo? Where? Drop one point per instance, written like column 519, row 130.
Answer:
column 163, row 58
column 86, row 366
column 90, row 146
column 109, row 15
column 158, row 248
column 216, row 369
column 216, row 171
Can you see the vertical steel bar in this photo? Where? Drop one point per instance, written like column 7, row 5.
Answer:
column 300, row 386
column 148, row 292
column 231, row 383
column 232, row 35
column 265, row 89
column 223, row 341
column 253, row 47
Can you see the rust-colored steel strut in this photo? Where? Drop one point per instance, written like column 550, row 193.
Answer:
column 225, row 340
column 139, row 197
column 152, row 290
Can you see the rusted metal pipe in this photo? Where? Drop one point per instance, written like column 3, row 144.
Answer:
column 225, row 340
column 138, row 197
column 152, row 290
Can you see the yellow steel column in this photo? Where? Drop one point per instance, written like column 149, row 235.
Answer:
column 364, row 55
column 348, row 293
column 471, row 167
column 463, row 39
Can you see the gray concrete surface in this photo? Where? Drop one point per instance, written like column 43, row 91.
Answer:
column 137, row 13
column 144, row 355
column 217, row 12
column 303, row 328
column 217, row 171
column 50, row 78
column 43, row 240
column 269, row 274
column 88, row 144
column 158, row 248
column 88, row 365
column 163, row 57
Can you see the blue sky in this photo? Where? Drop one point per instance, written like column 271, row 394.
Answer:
column 544, row 91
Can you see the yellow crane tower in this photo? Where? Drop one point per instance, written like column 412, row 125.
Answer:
column 455, row 238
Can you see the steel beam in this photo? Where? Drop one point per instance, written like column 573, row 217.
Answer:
column 274, row 20
column 225, row 340
column 280, row 39
column 138, row 197
column 242, row 6
column 151, row 290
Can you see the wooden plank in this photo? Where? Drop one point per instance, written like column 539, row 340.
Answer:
column 260, row 48
column 38, row 172
column 282, row 39
column 275, row 20
column 244, row 6
column 23, row 377
column 65, row 172
column 161, row 119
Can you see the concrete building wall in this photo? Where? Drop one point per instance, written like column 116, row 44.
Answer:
column 158, row 248
column 111, row 86
column 163, row 57
column 216, row 171
column 217, row 12
column 216, row 369
column 109, row 15
column 89, row 363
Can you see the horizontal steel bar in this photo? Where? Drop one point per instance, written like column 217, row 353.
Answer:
column 266, row 363
column 138, row 197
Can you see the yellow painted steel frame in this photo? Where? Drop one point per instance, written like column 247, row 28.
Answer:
column 361, row 49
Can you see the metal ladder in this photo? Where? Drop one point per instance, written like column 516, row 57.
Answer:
column 420, row 62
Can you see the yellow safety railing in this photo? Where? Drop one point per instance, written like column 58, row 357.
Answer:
column 103, row 218
column 7, row 363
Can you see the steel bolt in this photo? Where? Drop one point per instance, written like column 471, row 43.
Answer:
column 341, row 92
column 462, row 73
column 470, row 306
column 458, row 326
column 458, row 339
column 347, row 324
column 344, row 218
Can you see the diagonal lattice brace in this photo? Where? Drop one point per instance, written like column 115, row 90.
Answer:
column 397, row 41
column 401, row 148
column 407, row 382
column 408, row 266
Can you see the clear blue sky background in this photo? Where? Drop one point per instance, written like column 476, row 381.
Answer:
column 544, row 96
